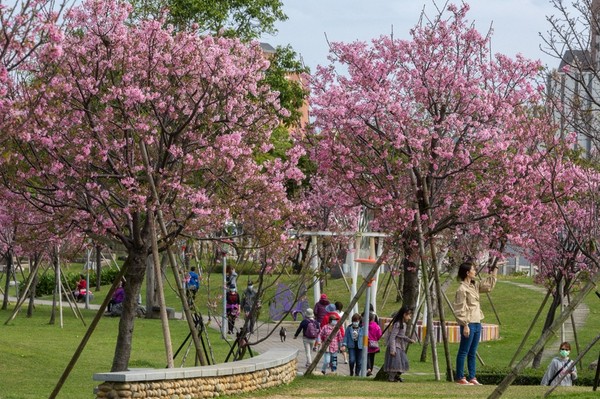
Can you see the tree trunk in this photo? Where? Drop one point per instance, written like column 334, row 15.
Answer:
column 410, row 286
column 134, row 275
column 400, row 287
column 32, row 292
column 56, row 286
column 537, row 360
column 8, row 271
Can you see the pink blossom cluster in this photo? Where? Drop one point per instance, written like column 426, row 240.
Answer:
column 437, row 127
column 107, row 91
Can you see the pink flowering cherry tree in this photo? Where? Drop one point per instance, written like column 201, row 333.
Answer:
column 434, row 134
column 26, row 28
column 562, row 240
column 123, row 105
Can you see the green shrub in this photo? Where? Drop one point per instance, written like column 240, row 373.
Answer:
column 519, row 274
column 45, row 285
column 494, row 375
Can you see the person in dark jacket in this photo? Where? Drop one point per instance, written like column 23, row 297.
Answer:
column 250, row 296
column 320, row 309
column 233, row 308
column 117, row 297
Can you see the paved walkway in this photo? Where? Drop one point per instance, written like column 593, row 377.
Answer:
column 274, row 341
column 580, row 315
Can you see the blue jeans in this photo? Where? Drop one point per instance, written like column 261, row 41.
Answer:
column 329, row 359
column 468, row 349
column 355, row 360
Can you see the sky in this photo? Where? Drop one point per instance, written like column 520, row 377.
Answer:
column 516, row 24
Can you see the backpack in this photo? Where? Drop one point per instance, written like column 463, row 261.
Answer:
column 193, row 283
column 312, row 330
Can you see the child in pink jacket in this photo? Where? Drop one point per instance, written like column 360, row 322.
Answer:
column 330, row 356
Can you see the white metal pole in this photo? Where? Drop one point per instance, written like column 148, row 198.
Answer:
column 314, row 262
column 363, row 369
column 374, row 253
column 355, row 265
column 224, row 321
column 353, row 272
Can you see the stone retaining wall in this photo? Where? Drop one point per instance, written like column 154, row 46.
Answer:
column 274, row 367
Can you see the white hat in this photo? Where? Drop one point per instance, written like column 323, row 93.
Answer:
column 308, row 313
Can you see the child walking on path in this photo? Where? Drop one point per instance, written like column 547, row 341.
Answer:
column 353, row 342
column 396, row 361
column 330, row 356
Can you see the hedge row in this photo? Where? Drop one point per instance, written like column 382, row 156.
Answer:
column 494, row 375
column 45, row 285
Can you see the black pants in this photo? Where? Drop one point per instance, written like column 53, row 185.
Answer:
column 370, row 360
column 231, row 322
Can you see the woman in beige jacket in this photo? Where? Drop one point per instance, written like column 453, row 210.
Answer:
column 468, row 315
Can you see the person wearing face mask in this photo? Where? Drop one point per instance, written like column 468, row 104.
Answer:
column 309, row 328
column 330, row 356
column 396, row 361
column 353, row 343
column 559, row 370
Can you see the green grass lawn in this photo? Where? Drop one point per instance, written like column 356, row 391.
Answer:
column 34, row 353
column 351, row 388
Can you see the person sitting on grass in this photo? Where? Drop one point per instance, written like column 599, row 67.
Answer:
column 117, row 297
column 81, row 289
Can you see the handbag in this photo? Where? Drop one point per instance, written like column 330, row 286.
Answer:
column 373, row 344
